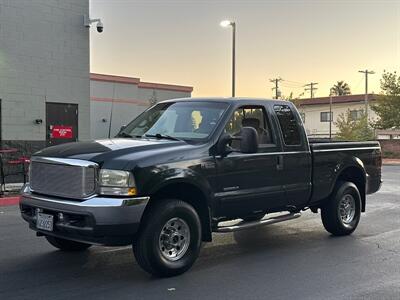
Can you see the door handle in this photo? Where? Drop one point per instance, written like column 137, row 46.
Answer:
column 279, row 162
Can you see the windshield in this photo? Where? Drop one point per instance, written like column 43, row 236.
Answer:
column 180, row 120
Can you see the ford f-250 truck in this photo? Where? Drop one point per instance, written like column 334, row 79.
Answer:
column 185, row 167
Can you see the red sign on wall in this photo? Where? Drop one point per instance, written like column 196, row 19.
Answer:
column 61, row 132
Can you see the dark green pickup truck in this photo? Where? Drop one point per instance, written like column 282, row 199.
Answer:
column 185, row 167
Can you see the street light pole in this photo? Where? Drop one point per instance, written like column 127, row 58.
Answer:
column 227, row 23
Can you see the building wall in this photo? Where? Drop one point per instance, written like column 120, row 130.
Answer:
column 126, row 98
column 44, row 57
column 312, row 113
column 390, row 148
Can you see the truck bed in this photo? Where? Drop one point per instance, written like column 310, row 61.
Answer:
column 330, row 158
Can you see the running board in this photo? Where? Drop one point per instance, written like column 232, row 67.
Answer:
column 247, row 225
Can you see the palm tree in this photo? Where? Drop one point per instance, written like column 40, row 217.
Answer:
column 341, row 88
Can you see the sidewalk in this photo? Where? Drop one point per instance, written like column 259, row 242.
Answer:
column 11, row 197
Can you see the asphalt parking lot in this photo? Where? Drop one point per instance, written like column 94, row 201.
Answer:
column 297, row 259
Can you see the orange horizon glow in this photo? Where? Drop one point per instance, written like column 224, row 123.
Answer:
column 182, row 43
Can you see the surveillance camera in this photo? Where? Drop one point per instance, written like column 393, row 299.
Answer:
column 100, row 27
column 88, row 21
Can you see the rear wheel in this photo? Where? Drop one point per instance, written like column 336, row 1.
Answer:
column 67, row 245
column 341, row 215
column 169, row 241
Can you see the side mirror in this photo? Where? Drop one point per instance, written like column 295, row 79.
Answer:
column 222, row 144
column 249, row 140
column 122, row 128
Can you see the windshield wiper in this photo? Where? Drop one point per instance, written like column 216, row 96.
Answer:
column 127, row 135
column 162, row 136
column 124, row 134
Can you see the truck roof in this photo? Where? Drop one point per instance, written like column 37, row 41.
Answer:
column 230, row 100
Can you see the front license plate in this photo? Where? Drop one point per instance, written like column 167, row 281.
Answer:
column 44, row 222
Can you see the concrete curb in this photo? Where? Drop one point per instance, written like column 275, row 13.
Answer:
column 9, row 201
column 391, row 162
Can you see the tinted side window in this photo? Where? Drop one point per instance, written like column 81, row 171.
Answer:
column 250, row 116
column 288, row 123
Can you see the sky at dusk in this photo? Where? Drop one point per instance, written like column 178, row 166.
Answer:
column 181, row 42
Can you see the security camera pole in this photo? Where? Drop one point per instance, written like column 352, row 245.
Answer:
column 227, row 23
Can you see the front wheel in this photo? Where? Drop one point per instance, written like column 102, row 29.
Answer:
column 67, row 245
column 169, row 241
column 341, row 215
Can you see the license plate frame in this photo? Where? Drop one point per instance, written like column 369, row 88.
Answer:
column 44, row 221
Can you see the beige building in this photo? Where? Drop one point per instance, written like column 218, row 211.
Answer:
column 315, row 112
column 117, row 100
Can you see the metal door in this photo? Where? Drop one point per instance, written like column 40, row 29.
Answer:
column 251, row 182
column 61, row 123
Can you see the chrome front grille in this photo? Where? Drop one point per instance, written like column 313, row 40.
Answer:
column 67, row 178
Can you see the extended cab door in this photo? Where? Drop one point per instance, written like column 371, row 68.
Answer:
column 250, row 182
column 296, row 159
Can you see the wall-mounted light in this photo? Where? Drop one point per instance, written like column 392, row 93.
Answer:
column 38, row 121
column 104, row 120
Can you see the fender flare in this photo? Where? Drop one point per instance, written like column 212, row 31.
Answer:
column 353, row 163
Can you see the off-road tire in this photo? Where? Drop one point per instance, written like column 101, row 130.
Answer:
column 146, row 247
column 330, row 212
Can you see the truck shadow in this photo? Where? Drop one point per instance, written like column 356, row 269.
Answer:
column 104, row 267
column 271, row 243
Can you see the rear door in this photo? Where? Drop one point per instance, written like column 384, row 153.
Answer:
column 61, row 123
column 296, row 164
column 250, row 182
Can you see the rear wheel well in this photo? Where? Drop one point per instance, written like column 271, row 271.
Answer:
column 190, row 194
column 356, row 176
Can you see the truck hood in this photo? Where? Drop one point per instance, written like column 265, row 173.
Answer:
column 119, row 153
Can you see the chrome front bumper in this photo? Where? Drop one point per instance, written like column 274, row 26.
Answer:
column 98, row 220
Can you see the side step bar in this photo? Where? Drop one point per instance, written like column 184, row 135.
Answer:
column 247, row 225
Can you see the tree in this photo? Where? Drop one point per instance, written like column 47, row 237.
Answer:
column 341, row 88
column 153, row 98
column 296, row 100
column 387, row 106
column 288, row 98
column 353, row 130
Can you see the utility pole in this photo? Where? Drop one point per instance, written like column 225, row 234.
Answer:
column 366, row 72
column 330, row 117
column 233, row 59
column 276, row 88
column 311, row 88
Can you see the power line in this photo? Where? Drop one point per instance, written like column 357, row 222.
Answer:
column 292, row 84
column 358, row 84
column 276, row 88
column 295, row 82
column 311, row 88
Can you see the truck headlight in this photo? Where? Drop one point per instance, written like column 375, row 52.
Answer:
column 116, row 183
